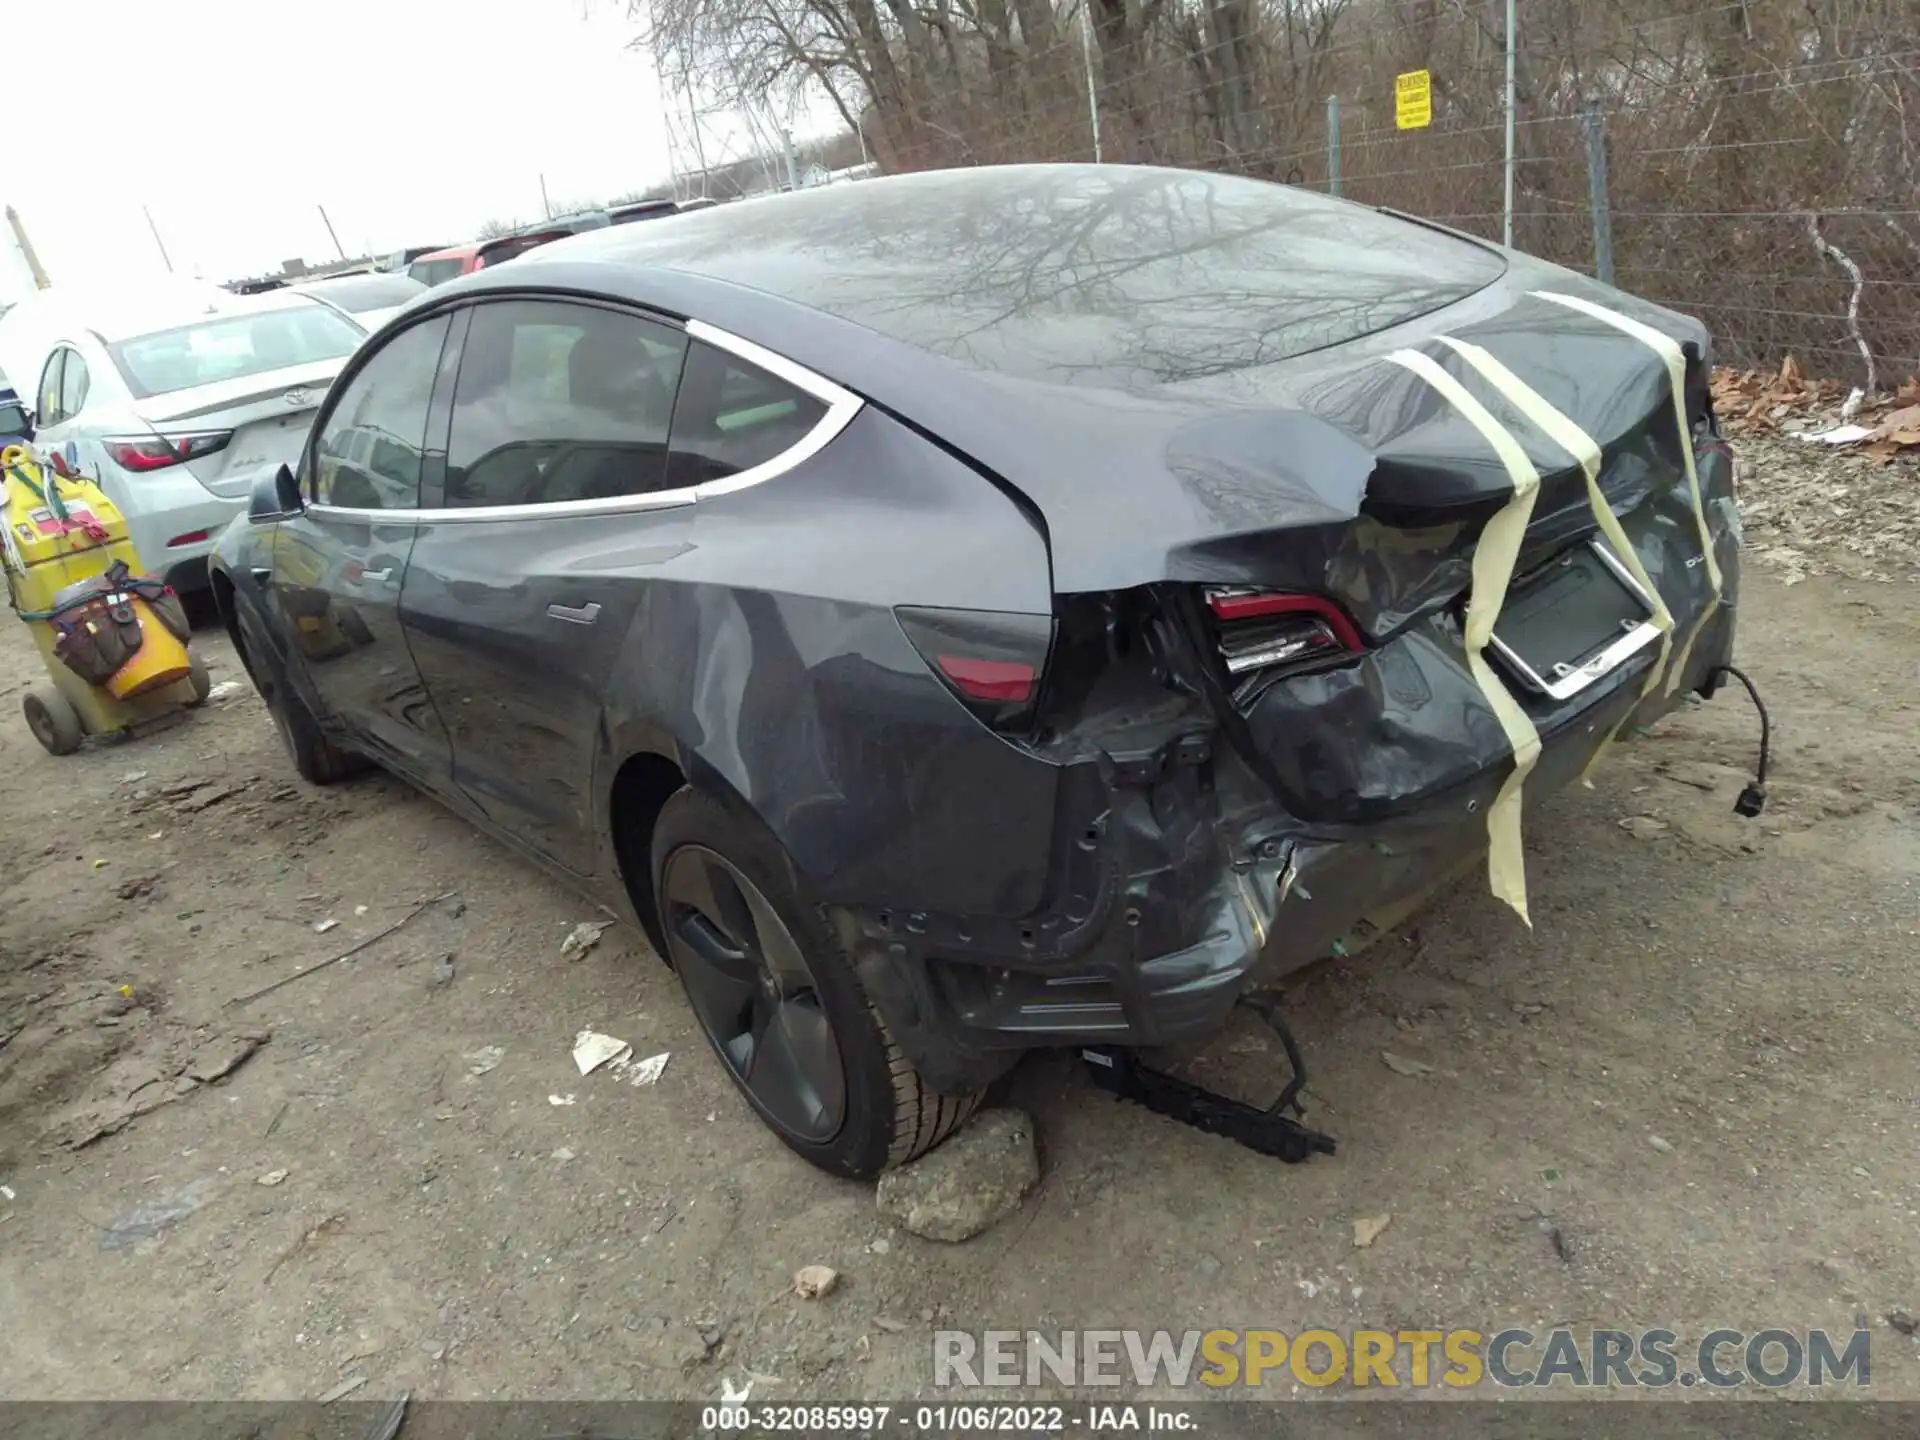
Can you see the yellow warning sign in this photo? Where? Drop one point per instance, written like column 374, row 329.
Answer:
column 1412, row 100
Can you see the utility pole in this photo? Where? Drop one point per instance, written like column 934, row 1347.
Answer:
column 793, row 163
column 156, row 238
column 545, row 204
column 34, row 270
column 330, row 235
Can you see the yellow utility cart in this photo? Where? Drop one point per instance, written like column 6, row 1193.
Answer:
column 114, row 639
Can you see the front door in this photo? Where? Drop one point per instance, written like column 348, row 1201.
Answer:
column 525, row 579
column 335, row 569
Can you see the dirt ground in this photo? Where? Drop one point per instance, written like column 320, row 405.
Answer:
column 1686, row 1098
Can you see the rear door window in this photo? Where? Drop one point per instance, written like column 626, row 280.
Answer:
column 558, row 402
column 367, row 455
column 733, row 415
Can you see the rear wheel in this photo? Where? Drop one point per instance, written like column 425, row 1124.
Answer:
column 779, row 1000
column 54, row 722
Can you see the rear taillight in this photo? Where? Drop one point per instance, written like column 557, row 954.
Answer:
column 993, row 661
column 1263, row 634
column 141, row 453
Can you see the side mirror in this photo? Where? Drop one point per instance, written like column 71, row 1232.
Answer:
column 274, row 497
column 16, row 421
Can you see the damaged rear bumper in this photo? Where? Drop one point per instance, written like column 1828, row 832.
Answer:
column 1180, row 880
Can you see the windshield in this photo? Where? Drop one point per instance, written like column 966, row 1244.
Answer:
column 359, row 293
column 232, row 348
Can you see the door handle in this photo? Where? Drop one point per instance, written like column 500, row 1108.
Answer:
column 262, row 574
column 577, row 614
column 376, row 576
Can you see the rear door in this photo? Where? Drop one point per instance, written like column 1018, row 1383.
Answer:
column 524, row 581
column 335, row 569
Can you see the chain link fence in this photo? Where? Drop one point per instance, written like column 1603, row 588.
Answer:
column 1752, row 162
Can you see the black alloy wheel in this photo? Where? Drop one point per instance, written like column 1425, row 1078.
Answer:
column 754, row 994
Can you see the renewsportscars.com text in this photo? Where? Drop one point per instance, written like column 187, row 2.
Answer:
column 1416, row 1359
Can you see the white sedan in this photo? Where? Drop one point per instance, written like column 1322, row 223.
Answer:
column 175, row 408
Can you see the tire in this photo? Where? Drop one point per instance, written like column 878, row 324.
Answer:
column 886, row 1115
column 53, row 721
column 317, row 759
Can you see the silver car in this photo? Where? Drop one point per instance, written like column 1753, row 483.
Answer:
column 370, row 299
column 177, row 410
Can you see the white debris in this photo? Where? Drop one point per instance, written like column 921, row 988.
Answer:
column 566, row 1099
column 644, row 1072
column 323, row 926
column 484, row 1059
column 731, row 1396
column 223, row 690
column 272, row 1177
column 591, row 1050
column 1838, row 435
column 583, row 938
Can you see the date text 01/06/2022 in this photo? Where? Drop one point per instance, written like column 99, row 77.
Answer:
column 875, row 1420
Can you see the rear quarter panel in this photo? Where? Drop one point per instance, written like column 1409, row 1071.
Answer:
column 766, row 660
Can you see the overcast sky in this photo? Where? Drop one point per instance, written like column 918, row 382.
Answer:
column 411, row 121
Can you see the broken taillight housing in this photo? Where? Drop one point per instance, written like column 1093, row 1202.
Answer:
column 1265, row 634
column 993, row 661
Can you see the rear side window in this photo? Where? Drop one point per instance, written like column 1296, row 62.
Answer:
column 559, row 402
column 434, row 272
column 732, row 416
column 367, row 455
column 74, row 384
column 47, row 406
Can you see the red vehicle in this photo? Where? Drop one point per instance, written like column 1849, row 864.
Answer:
column 443, row 265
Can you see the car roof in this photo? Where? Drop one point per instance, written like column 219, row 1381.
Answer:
column 452, row 252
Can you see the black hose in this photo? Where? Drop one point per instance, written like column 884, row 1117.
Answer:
column 1753, row 799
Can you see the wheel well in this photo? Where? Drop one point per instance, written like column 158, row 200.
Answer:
column 223, row 602
column 641, row 790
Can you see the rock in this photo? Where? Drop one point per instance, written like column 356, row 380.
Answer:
column 1665, row 1147
column 1401, row 1065
column 442, row 972
column 976, row 1179
column 1903, row 1322
column 810, row 1282
column 1367, row 1229
column 661, row 1344
column 583, row 938
column 223, row 1054
column 272, row 1177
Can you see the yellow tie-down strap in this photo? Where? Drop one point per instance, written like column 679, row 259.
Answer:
column 1493, row 562
column 1676, row 363
column 1584, row 449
